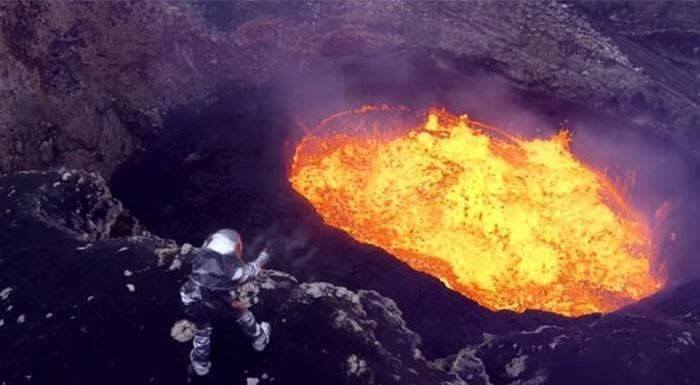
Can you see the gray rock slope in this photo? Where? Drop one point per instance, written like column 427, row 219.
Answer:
column 87, row 296
column 92, row 304
column 85, row 83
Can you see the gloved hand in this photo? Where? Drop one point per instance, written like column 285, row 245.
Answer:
column 263, row 257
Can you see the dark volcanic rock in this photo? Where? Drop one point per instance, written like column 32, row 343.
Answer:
column 653, row 342
column 81, row 306
column 86, row 82
column 68, row 282
column 87, row 296
column 93, row 306
column 327, row 334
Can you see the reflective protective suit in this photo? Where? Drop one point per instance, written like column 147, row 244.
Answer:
column 208, row 296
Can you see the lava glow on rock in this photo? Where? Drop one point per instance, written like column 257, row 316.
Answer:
column 511, row 223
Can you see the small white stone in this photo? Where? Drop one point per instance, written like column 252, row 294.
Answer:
column 21, row 319
column 251, row 381
column 66, row 176
column 5, row 293
column 56, row 184
column 123, row 249
column 176, row 265
column 49, row 315
column 131, row 287
column 356, row 366
column 90, row 298
column 264, row 376
column 516, row 366
column 186, row 249
column 9, row 308
column 2, row 322
column 182, row 331
column 128, row 273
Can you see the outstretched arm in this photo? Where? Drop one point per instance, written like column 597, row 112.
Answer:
column 252, row 269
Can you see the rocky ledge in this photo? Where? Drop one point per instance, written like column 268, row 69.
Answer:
column 86, row 287
column 87, row 83
column 87, row 296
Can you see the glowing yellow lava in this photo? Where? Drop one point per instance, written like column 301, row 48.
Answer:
column 511, row 223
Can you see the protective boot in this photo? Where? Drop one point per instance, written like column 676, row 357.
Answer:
column 199, row 355
column 199, row 368
column 263, row 338
column 194, row 378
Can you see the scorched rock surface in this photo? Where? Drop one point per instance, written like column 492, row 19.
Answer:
column 89, row 297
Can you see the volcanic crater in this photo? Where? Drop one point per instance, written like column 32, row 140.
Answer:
column 228, row 162
column 131, row 131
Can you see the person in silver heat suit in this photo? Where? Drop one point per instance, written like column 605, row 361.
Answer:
column 208, row 294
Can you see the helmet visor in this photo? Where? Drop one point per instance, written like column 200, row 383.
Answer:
column 224, row 245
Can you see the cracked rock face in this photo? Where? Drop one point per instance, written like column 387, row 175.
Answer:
column 88, row 82
column 652, row 342
column 94, row 305
column 74, row 202
column 66, row 244
column 353, row 337
column 467, row 366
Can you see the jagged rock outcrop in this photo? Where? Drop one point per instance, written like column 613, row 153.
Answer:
column 652, row 342
column 76, row 203
column 70, row 258
column 466, row 365
column 95, row 306
column 86, row 82
column 328, row 334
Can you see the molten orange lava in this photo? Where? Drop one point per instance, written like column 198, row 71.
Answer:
column 511, row 223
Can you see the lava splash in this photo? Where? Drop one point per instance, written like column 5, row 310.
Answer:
column 512, row 223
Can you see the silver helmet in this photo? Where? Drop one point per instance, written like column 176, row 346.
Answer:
column 226, row 242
